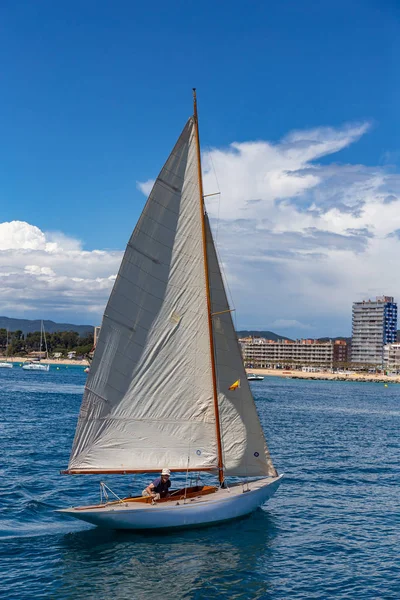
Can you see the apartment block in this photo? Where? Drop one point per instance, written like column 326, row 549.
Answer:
column 262, row 353
column 391, row 357
column 374, row 325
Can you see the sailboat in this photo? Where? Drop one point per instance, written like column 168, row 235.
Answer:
column 36, row 365
column 6, row 364
column 163, row 388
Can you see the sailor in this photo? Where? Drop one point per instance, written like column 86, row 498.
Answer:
column 160, row 486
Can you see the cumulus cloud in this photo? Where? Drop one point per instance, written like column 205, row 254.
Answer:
column 300, row 239
column 43, row 274
column 304, row 239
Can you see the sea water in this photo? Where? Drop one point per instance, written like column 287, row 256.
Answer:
column 331, row 531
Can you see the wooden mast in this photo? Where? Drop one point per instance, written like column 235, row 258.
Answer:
column 210, row 329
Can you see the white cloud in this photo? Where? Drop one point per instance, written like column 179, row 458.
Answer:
column 303, row 239
column 44, row 274
column 300, row 239
column 145, row 186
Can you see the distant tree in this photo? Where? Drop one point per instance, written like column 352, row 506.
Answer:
column 70, row 339
column 3, row 337
column 59, row 341
column 83, row 350
column 16, row 348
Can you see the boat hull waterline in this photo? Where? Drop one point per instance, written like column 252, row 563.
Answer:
column 224, row 505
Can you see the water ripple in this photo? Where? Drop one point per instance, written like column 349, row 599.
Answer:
column 330, row 532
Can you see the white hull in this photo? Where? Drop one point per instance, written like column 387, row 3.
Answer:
column 36, row 367
column 6, row 365
column 223, row 505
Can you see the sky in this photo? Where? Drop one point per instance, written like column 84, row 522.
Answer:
column 298, row 109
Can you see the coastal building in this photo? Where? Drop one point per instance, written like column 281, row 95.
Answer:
column 340, row 353
column 391, row 357
column 374, row 325
column 263, row 353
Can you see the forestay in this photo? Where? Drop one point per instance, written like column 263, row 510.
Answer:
column 148, row 401
column 245, row 451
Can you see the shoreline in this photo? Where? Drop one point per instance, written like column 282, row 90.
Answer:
column 284, row 373
column 326, row 376
column 50, row 361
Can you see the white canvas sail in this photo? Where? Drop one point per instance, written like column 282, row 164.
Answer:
column 148, row 401
column 245, row 451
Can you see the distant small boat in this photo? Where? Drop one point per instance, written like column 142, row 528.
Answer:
column 254, row 377
column 87, row 370
column 33, row 365
column 5, row 364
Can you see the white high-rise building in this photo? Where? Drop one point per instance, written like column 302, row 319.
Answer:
column 374, row 325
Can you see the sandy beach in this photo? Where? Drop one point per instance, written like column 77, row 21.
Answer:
column 50, row 361
column 325, row 375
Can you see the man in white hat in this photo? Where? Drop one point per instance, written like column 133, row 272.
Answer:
column 160, row 486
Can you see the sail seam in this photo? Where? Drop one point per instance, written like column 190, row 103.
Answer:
column 176, row 190
column 171, row 286
column 177, row 252
column 174, row 173
column 147, row 329
column 150, row 218
column 133, row 329
column 154, row 260
column 154, row 201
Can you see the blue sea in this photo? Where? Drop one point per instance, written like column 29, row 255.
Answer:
column 331, row 531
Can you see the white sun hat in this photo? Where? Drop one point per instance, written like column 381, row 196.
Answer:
column 165, row 472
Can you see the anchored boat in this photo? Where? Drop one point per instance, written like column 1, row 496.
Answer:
column 36, row 365
column 163, row 388
column 6, row 364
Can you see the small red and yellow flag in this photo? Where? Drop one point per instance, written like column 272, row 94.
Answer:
column 235, row 385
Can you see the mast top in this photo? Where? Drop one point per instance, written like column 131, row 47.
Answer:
column 195, row 104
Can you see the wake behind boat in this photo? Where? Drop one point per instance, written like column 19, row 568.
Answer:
column 163, row 388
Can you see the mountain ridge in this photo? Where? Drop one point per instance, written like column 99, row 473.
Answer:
column 33, row 325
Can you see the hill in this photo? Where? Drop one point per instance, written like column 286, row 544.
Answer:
column 33, row 325
column 268, row 335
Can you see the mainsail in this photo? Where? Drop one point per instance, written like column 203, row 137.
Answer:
column 148, row 401
column 149, row 398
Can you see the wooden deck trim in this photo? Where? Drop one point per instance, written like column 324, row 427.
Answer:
column 177, row 495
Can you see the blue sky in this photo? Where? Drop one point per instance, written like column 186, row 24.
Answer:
column 94, row 95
